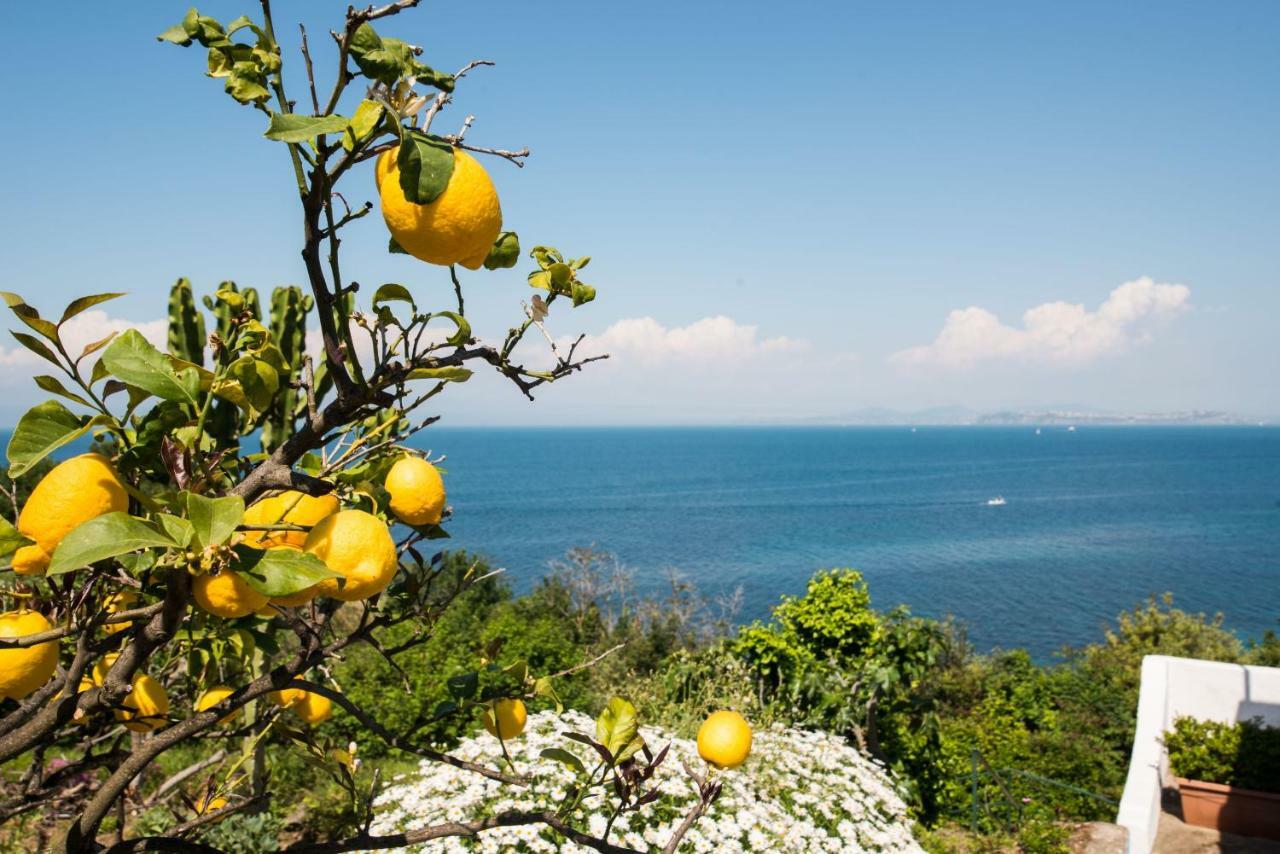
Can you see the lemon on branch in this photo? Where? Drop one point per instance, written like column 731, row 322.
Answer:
column 724, row 739
column 288, row 508
column 122, row 600
column 310, row 707
column 213, row 697
column 358, row 546
column 226, row 594
column 24, row 669
column 457, row 227
column 505, row 719
column 146, row 707
column 75, row 491
column 416, row 490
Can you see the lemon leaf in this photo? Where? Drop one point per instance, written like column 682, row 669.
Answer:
column 213, row 520
column 279, row 572
column 105, row 536
column 426, row 165
column 391, row 292
column 10, row 539
column 292, row 127
column 504, row 253
column 618, row 729
column 363, row 123
column 564, row 757
column 132, row 358
column 447, row 375
column 85, row 303
column 42, row 430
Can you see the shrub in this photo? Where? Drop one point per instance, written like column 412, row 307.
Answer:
column 1244, row 754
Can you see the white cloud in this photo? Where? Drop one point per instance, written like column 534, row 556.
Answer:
column 1059, row 333
column 85, row 328
column 718, row 340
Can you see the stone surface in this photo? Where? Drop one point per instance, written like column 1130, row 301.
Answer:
column 1176, row 837
column 1098, row 837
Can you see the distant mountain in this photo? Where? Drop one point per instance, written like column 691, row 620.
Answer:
column 1071, row 415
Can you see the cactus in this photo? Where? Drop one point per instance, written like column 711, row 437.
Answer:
column 186, row 324
column 289, row 309
column 222, row 312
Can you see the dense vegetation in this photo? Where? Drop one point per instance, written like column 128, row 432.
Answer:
column 909, row 690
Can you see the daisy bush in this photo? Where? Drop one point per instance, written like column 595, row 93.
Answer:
column 798, row 791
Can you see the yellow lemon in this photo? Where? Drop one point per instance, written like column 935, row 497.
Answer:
column 459, row 227
column 311, row 708
column 213, row 697
column 416, row 490
column 146, row 707
column 80, row 489
column 358, row 546
column 101, row 667
column 287, row 508
column 226, row 595
column 209, row 804
column 24, row 669
column 505, row 719
column 122, row 600
column 724, row 739
column 30, row 560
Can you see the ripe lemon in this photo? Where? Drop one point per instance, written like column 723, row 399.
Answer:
column 358, row 546
column 122, row 600
column 213, row 697
column 146, row 707
column 80, row 489
column 287, row 508
column 226, row 595
column 459, row 227
column 416, row 490
column 505, row 719
column 209, row 804
column 311, row 708
column 724, row 739
column 24, row 669
column 101, row 667
column 30, row 560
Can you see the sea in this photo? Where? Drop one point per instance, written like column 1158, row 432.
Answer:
column 1093, row 521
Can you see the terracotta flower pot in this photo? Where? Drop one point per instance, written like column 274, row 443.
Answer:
column 1230, row 809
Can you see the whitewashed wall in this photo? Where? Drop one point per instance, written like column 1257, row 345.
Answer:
column 1185, row 687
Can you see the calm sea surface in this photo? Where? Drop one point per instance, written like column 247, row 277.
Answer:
column 1095, row 520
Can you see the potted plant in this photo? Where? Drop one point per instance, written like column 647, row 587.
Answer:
column 1228, row 775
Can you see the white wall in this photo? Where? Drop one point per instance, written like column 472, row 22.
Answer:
column 1185, row 687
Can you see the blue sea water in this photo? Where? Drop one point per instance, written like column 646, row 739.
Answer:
column 1095, row 520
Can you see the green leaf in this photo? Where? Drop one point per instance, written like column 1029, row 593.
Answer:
column 426, row 165
column 214, row 520
column 10, row 539
column 292, row 127
column 392, row 247
column 42, row 430
column 559, row 754
column 280, row 572
column 105, row 536
column 84, row 303
column 391, row 292
column 463, row 333
column 447, row 375
column 505, row 252
column 618, row 729
column 35, row 345
column 178, row 529
column 363, row 123
column 30, row 316
column 132, row 358
column 463, row 686
column 176, row 34
column 257, row 379
column 53, row 385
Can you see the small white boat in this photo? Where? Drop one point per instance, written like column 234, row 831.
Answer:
column 1037, row 431
column 998, row 501
column 1071, row 429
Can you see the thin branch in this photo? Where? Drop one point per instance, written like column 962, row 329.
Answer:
column 311, row 73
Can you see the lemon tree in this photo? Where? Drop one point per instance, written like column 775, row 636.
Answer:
column 225, row 512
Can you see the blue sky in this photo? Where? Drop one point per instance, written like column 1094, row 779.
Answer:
column 793, row 211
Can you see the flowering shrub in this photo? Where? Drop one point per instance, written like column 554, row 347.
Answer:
column 799, row 791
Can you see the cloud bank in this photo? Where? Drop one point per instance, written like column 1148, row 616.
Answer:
column 1057, row 333
column 86, row 328
column 718, row 340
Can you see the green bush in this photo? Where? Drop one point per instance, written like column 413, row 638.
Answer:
column 1244, row 754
